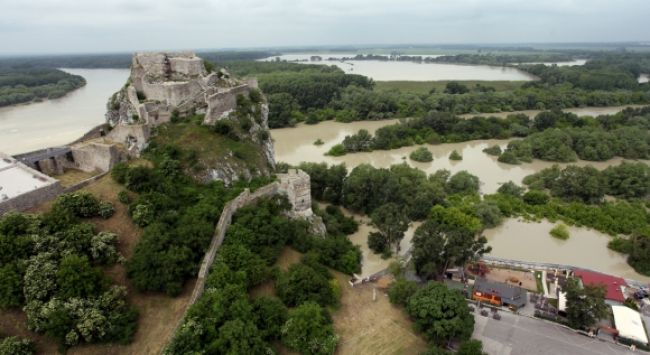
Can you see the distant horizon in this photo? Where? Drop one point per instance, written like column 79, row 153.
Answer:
column 121, row 26
column 351, row 47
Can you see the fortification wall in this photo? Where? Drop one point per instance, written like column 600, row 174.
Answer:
column 187, row 66
column 223, row 102
column 95, row 132
column 244, row 199
column 172, row 92
column 95, row 156
column 32, row 198
column 134, row 137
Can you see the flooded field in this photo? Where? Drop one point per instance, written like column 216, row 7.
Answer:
column 514, row 239
column 402, row 70
column 296, row 145
column 530, row 241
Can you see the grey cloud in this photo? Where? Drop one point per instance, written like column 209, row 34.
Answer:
column 120, row 25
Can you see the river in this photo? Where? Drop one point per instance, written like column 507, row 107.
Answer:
column 398, row 70
column 28, row 127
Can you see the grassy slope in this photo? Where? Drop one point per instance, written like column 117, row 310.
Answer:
column 212, row 149
column 423, row 87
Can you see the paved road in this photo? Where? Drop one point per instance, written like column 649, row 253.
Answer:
column 518, row 335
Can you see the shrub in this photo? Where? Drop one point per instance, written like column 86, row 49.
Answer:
column 337, row 150
column 302, row 283
column 143, row 214
column 123, row 197
column 455, row 156
column 493, row 150
column 175, row 116
column 119, row 172
column 464, row 183
column 422, row 155
column 621, row 245
column 309, row 330
column 106, row 209
column 510, row 188
column 80, row 204
column 536, row 197
column 255, row 95
column 222, row 127
column 319, row 142
column 16, row 346
column 377, row 243
column 401, row 290
column 270, row 316
column 508, row 157
column 560, row 231
column 263, row 135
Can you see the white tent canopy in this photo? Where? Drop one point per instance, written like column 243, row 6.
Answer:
column 629, row 324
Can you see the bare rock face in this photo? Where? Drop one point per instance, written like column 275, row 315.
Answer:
column 165, row 85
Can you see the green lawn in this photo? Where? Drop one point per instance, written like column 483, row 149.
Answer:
column 423, row 87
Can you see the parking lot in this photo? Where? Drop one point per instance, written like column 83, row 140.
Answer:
column 519, row 335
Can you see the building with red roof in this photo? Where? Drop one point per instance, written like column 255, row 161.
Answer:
column 612, row 284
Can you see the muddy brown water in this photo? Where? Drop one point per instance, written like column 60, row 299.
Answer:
column 33, row 126
column 514, row 239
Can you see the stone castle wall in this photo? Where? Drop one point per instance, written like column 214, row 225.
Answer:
column 244, row 199
column 223, row 102
column 31, row 199
column 187, row 66
column 134, row 137
column 95, row 156
column 296, row 185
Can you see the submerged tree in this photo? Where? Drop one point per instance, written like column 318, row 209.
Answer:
column 391, row 222
column 447, row 238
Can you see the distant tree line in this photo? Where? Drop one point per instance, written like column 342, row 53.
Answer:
column 26, row 85
column 112, row 60
column 608, row 79
column 551, row 135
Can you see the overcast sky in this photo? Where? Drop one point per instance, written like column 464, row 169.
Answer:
column 61, row 26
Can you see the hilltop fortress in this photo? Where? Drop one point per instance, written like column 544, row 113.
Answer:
column 162, row 85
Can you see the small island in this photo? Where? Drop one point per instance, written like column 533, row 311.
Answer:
column 422, row 155
column 18, row 86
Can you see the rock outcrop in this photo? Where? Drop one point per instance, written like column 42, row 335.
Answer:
column 163, row 86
